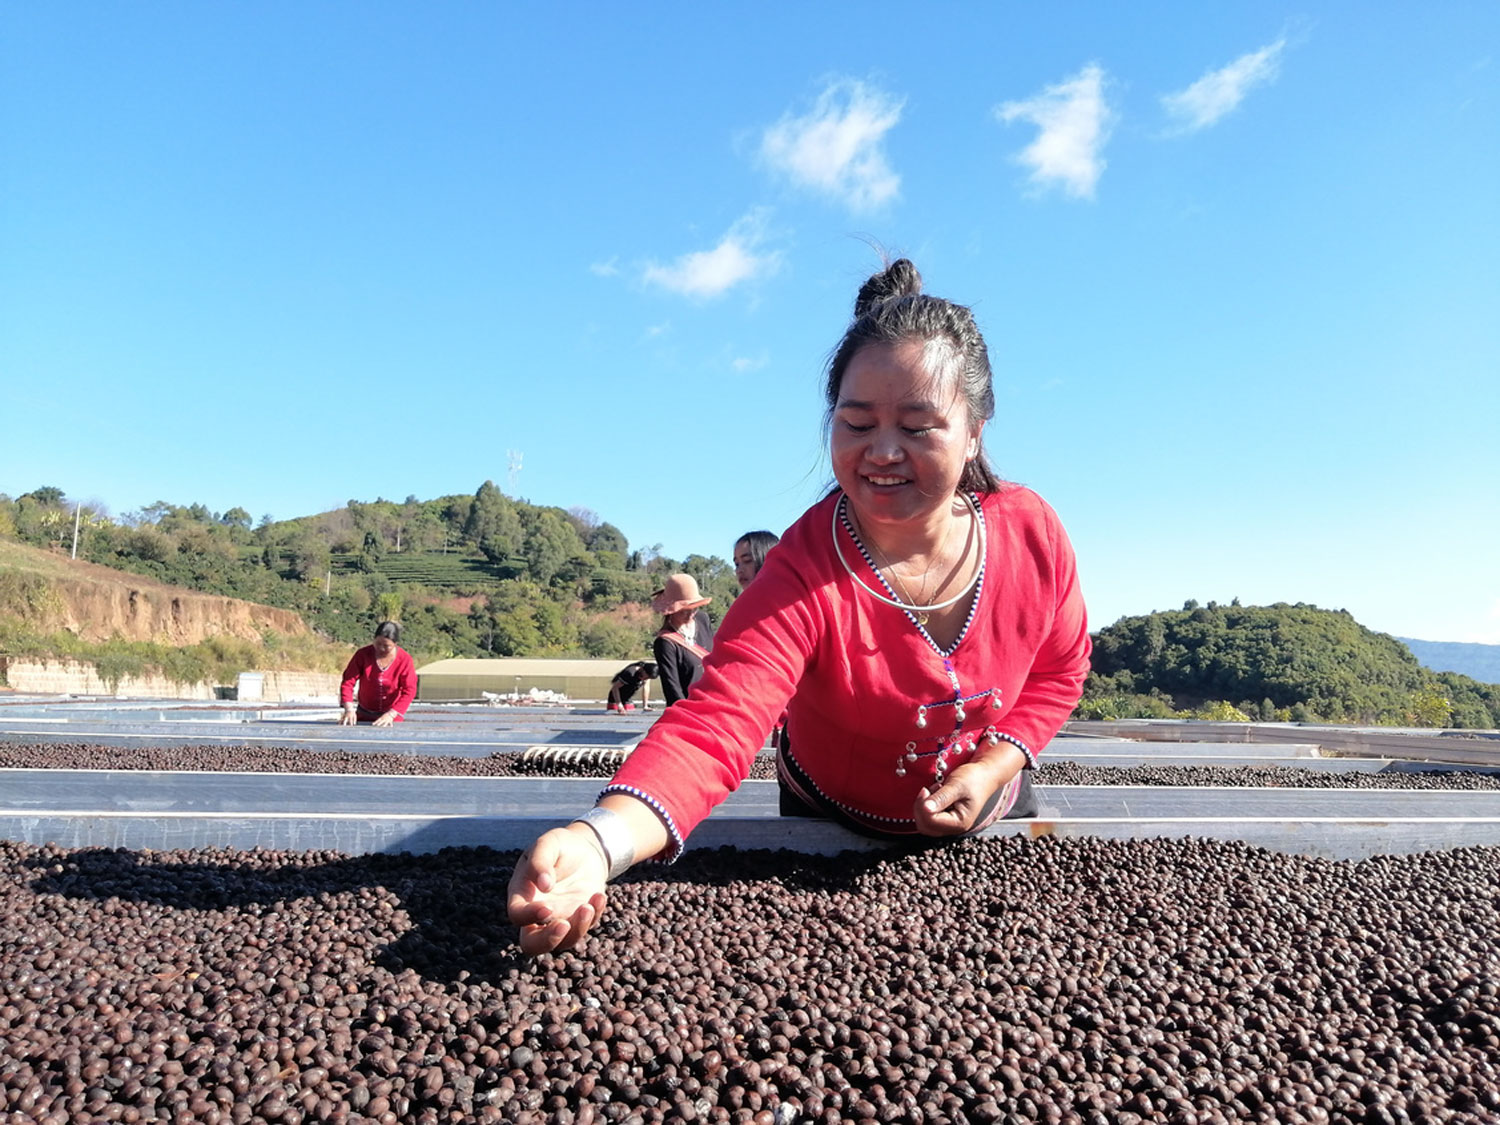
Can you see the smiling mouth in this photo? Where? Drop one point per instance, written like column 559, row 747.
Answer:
column 885, row 482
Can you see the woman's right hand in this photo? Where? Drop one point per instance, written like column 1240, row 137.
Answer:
column 557, row 890
column 348, row 717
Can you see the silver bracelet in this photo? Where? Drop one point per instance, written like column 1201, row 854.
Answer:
column 616, row 840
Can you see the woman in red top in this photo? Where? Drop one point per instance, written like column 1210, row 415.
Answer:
column 922, row 626
column 385, row 678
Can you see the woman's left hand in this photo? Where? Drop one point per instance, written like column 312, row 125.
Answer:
column 386, row 720
column 953, row 807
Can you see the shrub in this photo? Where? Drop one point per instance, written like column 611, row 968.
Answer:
column 1219, row 711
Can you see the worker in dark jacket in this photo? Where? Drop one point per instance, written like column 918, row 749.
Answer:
column 685, row 635
column 628, row 680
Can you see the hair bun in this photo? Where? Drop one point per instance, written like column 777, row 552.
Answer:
column 899, row 279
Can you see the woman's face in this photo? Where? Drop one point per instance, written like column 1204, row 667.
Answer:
column 744, row 564
column 680, row 618
column 900, row 437
column 384, row 646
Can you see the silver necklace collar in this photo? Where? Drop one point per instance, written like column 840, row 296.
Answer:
column 907, row 606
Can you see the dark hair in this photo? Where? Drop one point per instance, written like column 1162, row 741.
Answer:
column 759, row 543
column 891, row 308
column 649, row 669
column 390, row 631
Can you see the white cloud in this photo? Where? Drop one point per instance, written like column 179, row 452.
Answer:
column 836, row 147
column 1074, row 119
column 712, row 273
column 605, row 269
column 1219, row 91
column 655, row 330
column 744, row 364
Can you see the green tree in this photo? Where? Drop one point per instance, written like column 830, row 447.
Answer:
column 584, row 520
column 151, row 513
column 422, row 531
column 483, row 623
column 492, row 524
column 371, row 551
column 1429, row 707
column 309, row 556
column 609, row 588
column 554, row 626
column 576, row 571
column 149, row 544
column 548, row 543
column 603, row 637
column 608, row 537
column 512, row 608
column 41, row 518
column 48, row 496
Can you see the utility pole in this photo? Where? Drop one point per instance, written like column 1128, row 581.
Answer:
column 77, row 509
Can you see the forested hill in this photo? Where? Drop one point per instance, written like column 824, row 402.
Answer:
column 1282, row 661
column 466, row 575
column 1479, row 662
column 486, row 574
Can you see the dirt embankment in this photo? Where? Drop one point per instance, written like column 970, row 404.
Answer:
column 97, row 611
column 97, row 603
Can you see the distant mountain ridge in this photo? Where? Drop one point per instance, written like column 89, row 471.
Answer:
column 1275, row 663
column 1478, row 662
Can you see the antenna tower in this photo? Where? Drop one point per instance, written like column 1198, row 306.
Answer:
column 513, row 464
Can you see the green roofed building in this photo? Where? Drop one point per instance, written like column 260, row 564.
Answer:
column 470, row 679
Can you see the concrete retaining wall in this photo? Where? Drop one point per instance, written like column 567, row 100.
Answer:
column 67, row 677
column 299, row 687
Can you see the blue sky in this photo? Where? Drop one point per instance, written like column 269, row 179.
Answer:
column 1238, row 266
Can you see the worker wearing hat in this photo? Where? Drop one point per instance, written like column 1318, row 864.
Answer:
column 685, row 635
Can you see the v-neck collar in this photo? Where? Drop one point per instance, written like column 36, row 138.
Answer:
column 843, row 510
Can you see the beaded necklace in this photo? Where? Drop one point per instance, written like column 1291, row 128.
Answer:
column 956, row 742
column 920, row 612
